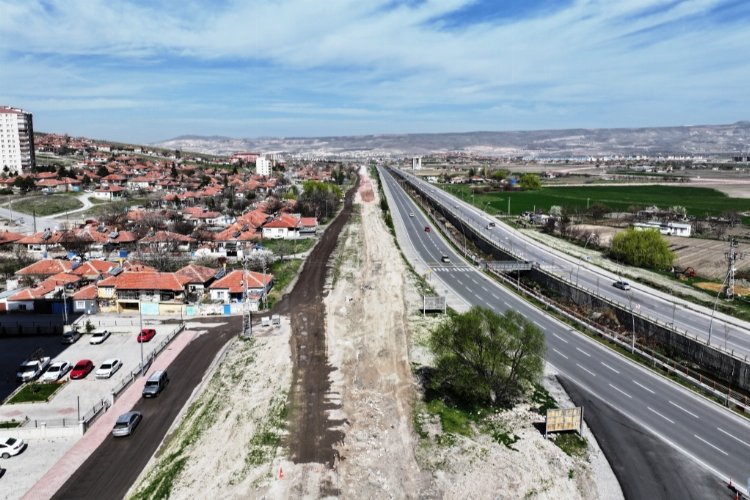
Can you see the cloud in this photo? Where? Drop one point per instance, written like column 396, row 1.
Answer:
column 379, row 62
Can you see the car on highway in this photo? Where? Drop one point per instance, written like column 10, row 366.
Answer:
column 146, row 334
column 411, row 214
column 10, row 447
column 56, row 371
column 622, row 285
column 108, row 368
column 81, row 369
column 126, row 423
column 427, row 229
column 99, row 336
column 155, row 384
column 445, row 258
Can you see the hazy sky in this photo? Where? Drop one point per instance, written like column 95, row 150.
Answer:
column 144, row 70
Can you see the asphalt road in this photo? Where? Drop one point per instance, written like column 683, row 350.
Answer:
column 697, row 428
column 115, row 465
column 725, row 331
column 26, row 221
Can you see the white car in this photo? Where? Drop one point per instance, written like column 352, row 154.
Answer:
column 11, row 446
column 108, row 368
column 56, row 371
column 99, row 336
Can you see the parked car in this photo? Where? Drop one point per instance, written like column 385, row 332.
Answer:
column 622, row 285
column 99, row 336
column 108, row 368
column 126, row 423
column 70, row 335
column 10, row 447
column 81, row 369
column 146, row 334
column 33, row 367
column 155, row 384
column 56, row 371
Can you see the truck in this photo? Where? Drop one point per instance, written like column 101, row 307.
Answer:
column 33, row 367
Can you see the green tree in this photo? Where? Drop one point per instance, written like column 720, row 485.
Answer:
column 102, row 171
column 499, row 174
column 642, row 248
column 484, row 358
column 530, row 182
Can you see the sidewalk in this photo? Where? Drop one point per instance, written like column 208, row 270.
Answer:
column 53, row 480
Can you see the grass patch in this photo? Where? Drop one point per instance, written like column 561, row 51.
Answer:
column 572, row 444
column 289, row 247
column 35, row 392
column 267, row 438
column 543, row 400
column 284, row 271
column 452, row 419
column 697, row 201
column 10, row 424
column 47, row 205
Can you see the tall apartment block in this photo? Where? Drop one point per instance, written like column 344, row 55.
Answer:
column 16, row 140
column 263, row 166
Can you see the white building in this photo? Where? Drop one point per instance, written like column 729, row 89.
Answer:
column 666, row 228
column 16, row 140
column 263, row 166
column 416, row 163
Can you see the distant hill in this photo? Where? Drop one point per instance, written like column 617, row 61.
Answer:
column 699, row 139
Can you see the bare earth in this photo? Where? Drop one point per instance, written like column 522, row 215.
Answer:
column 374, row 331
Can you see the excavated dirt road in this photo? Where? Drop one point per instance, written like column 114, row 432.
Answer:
column 312, row 433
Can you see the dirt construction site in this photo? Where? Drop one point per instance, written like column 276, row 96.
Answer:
column 325, row 404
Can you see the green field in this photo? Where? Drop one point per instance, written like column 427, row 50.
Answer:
column 698, row 201
column 46, row 205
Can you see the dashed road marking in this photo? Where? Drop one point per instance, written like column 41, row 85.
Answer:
column 586, row 370
column 620, row 391
column 561, row 354
column 683, row 409
column 643, row 387
column 662, row 416
column 583, row 352
column 696, row 436
column 733, row 437
column 607, row 366
column 559, row 337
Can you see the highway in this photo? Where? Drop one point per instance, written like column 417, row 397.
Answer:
column 696, row 427
column 686, row 317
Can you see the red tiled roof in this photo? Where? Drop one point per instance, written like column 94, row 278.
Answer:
column 9, row 237
column 233, row 281
column 45, row 267
column 86, row 293
column 195, row 274
column 129, row 280
column 167, row 237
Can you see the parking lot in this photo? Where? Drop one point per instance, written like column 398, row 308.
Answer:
column 79, row 396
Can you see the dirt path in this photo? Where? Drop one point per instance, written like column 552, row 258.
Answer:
column 368, row 339
column 312, row 431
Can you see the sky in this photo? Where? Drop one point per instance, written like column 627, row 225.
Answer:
column 144, row 71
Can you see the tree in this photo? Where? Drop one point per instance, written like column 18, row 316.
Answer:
column 643, row 249
column 530, row 182
column 102, row 171
column 598, row 210
column 24, row 183
column 484, row 358
column 499, row 174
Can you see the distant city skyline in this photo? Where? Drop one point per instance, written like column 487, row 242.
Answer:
column 142, row 72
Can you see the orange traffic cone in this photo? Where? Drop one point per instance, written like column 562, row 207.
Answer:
column 281, row 473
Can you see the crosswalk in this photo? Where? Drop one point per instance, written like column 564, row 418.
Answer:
column 451, row 268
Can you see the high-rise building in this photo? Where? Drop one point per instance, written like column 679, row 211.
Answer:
column 416, row 163
column 263, row 166
column 16, row 140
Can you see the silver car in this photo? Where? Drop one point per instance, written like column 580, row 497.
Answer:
column 126, row 423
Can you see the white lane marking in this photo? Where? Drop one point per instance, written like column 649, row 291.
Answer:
column 537, row 324
column 607, row 366
column 559, row 337
column 643, row 387
column 495, row 297
column 711, row 445
column 586, row 370
column 620, row 391
column 683, row 409
column 662, row 416
column 733, row 437
column 584, row 352
column 507, row 305
column 460, row 282
column 485, row 289
column 561, row 354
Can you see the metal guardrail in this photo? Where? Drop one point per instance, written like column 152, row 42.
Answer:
column 96, row 410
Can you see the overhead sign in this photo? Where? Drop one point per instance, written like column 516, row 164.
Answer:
column 433, row 303
column 564, row 419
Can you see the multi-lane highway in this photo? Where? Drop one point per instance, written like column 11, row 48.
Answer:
column 687, row 317
column 702, row 430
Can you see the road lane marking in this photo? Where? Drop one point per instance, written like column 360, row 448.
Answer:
column 586, row 370
column 643, row 387
column 485, row 289
column 537, row 324
column 495, row 297
column 559, row 337
column 683, row 409
column 620, row 391
column 561, row 354
column 460, row 282
column 607, row 366
column 584, row 352
column 711, row 445
column 733, row 437
column 662, row 416
column 507, row 305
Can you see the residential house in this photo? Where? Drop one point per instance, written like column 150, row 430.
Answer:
column 196, row 280
column 151, row 292
column 285, row 226
column 231, row 287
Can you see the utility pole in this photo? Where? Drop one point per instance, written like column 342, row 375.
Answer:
column 732, row 256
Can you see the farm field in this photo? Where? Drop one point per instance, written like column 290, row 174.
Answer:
column 47, row 205
column 698, row 201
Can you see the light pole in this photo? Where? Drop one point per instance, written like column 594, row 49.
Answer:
column 578, row 272
column 140, row 324
column 713, row 312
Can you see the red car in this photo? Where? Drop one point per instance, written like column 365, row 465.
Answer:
column 427, row 229
column 81, row 369
column 146, row 334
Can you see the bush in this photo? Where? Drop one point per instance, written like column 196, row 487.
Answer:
column 642, row 249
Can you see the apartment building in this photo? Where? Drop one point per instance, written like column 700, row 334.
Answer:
column 16, row 140
column 263, row 166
